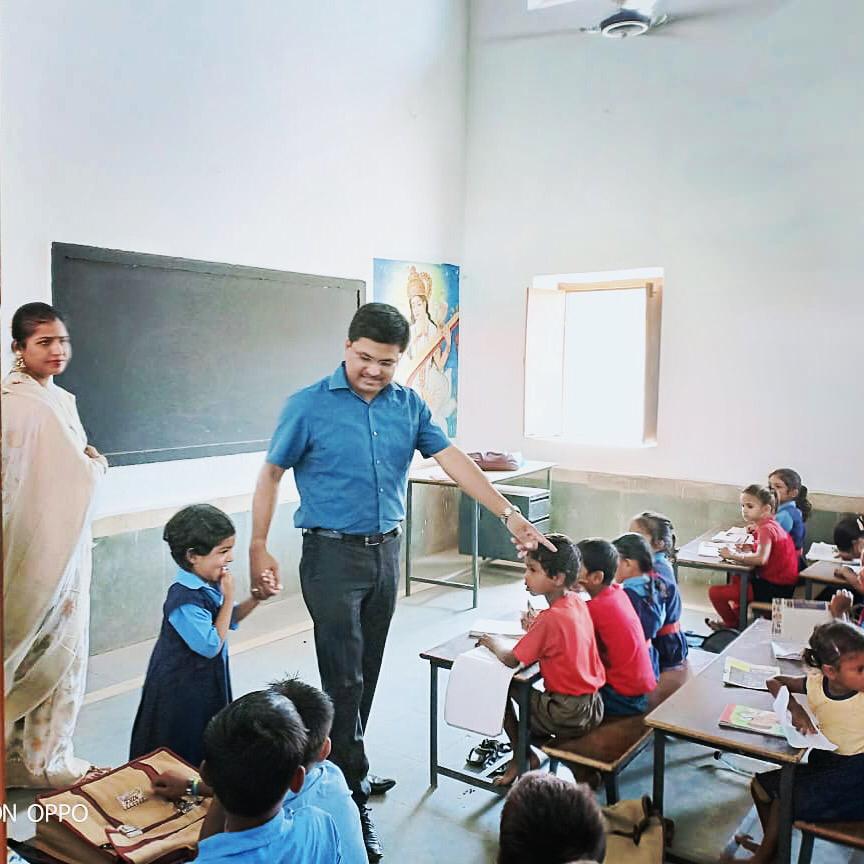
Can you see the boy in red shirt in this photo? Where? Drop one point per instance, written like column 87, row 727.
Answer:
column 620, row 638
column 561, row 639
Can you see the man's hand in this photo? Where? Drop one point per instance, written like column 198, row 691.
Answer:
column 263, row 571
column 525, row 535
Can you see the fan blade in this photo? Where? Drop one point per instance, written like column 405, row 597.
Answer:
column 729, row 10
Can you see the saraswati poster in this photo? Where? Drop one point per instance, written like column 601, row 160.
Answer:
column 428, row 296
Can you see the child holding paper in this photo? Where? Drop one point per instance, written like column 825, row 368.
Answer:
column 828, row 787
column 561, row 638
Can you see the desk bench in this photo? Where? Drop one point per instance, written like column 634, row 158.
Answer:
column 849, row 834
column 617, row 741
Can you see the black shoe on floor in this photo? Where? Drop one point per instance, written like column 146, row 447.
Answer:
column 379, row 785
column 374, row 849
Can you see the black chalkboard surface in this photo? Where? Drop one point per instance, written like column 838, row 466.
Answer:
column 179, row 359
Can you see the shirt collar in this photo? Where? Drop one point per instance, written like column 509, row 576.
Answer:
column 253, row 838
column 786, row 505
column 339, row 381
column 190, row 580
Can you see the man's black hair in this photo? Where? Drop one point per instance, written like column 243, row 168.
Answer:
column 252, row 750
column 381, row 323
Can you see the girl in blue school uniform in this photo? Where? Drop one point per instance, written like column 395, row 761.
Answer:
column 793, row 507
column 187, row 679
column 641, row 582
column 658, row 531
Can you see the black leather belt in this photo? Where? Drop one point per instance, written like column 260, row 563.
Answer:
column 359, row 539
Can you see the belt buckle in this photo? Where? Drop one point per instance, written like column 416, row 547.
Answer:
column 369, row 541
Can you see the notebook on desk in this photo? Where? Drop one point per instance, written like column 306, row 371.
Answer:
column 747, row 719
column 496, row 628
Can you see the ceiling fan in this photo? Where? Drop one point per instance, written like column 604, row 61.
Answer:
column 638, row 17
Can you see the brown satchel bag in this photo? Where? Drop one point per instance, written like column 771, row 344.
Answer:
column 491, row 460
column 636, row 833
column 125, row 821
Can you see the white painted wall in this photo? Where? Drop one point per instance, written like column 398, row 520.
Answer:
column 297, row 135
column 727, row 152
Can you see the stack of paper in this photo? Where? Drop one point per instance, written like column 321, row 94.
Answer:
column 496, row 628
column 740, row 673
column 710, row 550
column 731, row 535
column 477, row 692
column 793, row 621
column 822, row 552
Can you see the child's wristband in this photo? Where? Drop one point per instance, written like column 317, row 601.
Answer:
column 192, row 787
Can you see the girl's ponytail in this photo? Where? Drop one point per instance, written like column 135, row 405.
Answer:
column 803, row 503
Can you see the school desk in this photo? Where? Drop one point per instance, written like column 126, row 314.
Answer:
column 435, row 476
column 442, row 657
column 693, row 711
column 822, row 573
column 688, row 556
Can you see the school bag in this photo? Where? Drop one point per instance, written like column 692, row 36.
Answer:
column 117, row 817
column 635, row 832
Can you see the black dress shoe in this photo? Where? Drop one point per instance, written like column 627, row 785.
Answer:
column 379, row 785
column 374, row 849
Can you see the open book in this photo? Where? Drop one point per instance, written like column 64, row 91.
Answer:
column 747, row 719
column 740, row 673
column 825, row 552
column 731, row 536
column 496, row 628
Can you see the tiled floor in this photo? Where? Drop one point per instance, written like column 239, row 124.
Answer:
column 707, row 801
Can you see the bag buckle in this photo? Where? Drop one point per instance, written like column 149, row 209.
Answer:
column 130, row 830
column 373, row 540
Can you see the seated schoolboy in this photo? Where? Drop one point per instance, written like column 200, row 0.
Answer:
column 849, row 540
column 324, row 786
column 561, row 638
column 253, row 754
column 547, row 820
column 620, row 639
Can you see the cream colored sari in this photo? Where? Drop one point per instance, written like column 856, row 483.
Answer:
column 48, row 492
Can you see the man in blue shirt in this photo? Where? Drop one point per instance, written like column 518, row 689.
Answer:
column 253, row 755
column 350, row 439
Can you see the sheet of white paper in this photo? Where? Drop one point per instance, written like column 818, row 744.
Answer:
column 710, row 550
column 477, row 692
column 731, row 535
column 793, row 736
column 786, row 650
column 793, row 620
column 496, row 628
column 822, row 552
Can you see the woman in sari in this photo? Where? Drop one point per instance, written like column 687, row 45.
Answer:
column 50, row 475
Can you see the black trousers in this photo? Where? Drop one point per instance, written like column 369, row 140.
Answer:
column 350, row 591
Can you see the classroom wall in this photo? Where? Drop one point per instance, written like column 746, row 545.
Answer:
column 299, row 136
column 726, row 151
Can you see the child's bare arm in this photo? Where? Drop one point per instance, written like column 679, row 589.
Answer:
column 499, row 649
column 753, row 559
column 800, row 718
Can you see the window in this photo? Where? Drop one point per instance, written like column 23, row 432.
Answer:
column 592, row 357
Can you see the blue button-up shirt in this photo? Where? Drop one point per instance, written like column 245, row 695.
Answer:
column 308, row 835
column 194, row 624
column 351, row 457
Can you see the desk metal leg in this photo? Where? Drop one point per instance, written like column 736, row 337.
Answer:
column 808, row 589
column 743, row 583
column 659, row 768
column 784, row 846
column 475, row 558
column 408, row 540
column 522, row 741
column 433, row 725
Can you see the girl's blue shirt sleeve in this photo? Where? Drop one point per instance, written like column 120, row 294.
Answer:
column 194, row 624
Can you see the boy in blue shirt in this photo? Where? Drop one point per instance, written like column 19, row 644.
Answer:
column 253, row 754
column 324, row 786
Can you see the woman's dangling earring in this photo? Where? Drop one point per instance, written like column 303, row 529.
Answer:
column 20, row 365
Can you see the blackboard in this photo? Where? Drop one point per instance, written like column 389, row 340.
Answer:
column 179, row 359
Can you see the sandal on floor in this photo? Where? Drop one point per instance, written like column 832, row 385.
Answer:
column 478, row 757
column 714, row 624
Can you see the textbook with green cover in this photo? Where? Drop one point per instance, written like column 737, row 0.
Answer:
column 747, row 719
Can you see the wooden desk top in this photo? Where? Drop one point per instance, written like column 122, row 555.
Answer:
column 447, row 652
column 688, row 556
column 823, row 571
column 435, row 476
column 694, row 709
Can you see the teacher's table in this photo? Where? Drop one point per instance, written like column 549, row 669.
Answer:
column 688, row 556
column 693, row 711
column 435, row 476
column 822, row 573
column 442, row 657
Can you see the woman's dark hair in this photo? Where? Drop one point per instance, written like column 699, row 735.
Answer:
column 315, row 709
column 28, row 317
column 599, row 555
column 635, row 547
column 566, row 558
column 381, row 323
column 831, row 642
column 762, row 494
column 549, row 820
column 659, row 528
column 792, row 479
column 252, row 750
column 199, row 529
column 848, row 529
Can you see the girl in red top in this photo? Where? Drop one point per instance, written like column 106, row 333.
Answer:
column 771, row 551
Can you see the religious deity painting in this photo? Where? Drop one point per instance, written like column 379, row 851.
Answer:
column 428, row 296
